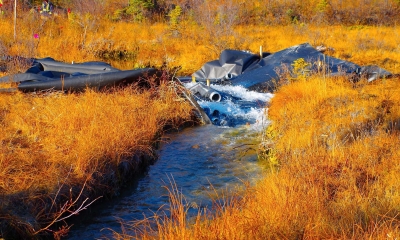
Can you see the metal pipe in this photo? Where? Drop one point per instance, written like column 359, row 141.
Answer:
column 228, row 76
column 206, row 92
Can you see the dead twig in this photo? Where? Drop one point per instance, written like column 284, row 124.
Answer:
column 67, row 209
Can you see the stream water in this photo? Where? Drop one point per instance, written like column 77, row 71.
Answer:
column 199, row 160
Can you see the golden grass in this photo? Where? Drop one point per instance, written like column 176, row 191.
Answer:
column 336, row 142
column 48, row 141
column 337, row 147
column 51, row 135
column 154, row 44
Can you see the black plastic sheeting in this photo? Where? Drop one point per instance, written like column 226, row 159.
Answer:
column 234, row 67
column 47, row 74
column 258, row 73
column 263, row 73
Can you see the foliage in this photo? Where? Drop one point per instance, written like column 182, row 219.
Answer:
column 72, row 140
column 174, row 16
column 138, row 9
column 318, row 123
column 117, row 15
column 292, row 16
column 266, row 151
column 338, row 168
column 301, row 69
column 322, row 5
column 271, row 12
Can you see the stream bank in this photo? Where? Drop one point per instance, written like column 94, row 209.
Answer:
column 202, row 161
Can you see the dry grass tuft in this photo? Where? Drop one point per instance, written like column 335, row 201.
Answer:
column 55, row 141
column 129, row 45
column 336, row 144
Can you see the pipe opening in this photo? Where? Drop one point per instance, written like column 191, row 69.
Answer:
column 228, row 76
column 215, row 97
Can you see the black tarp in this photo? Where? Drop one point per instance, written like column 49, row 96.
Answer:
column 262, row 73
column 47, row 73
column 44, row 68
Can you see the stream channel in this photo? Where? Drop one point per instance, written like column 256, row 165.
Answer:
column 199, row 160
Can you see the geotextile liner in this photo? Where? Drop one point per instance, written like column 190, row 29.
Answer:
column 46, row 73
column 261, row 73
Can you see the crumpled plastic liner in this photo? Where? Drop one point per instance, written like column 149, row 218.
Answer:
column 46, row 73
column 263, row 73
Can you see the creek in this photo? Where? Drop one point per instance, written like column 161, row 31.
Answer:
column 201, row 161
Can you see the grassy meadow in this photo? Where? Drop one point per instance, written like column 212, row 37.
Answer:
column 333, row 171
column 334, row 154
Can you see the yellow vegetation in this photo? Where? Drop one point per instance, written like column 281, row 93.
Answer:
column 337, row 147
column 154, row 44
column 48, row 136
column 336, row 142
column 53, row 141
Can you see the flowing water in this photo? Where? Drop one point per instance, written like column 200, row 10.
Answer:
column 199, row 160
